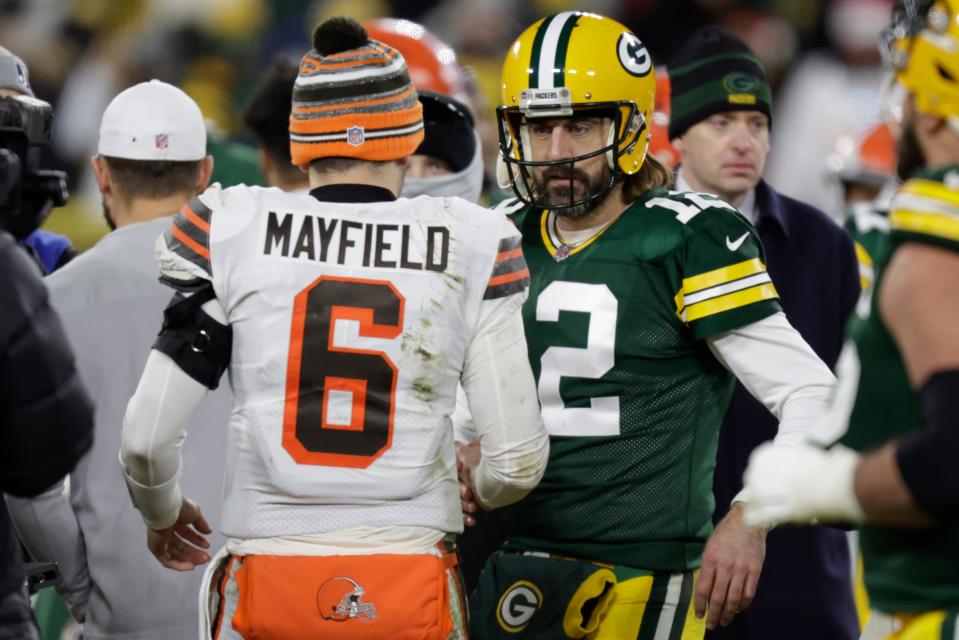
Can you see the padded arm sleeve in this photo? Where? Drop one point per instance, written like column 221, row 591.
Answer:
column 926, row 456
column 195, row 335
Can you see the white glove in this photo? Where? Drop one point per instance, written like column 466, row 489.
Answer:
column 802, row 484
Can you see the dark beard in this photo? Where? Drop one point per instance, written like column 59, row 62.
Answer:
column 108, row 216
column 910, row 156
column 557, row 198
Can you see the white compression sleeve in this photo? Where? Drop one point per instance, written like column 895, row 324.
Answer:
column 153, row 430
column 502, row 396
column 780, row 370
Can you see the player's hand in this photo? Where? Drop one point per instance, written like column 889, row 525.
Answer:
column 732, row 561
column 467, row 457
column 802, row 484
column 180, row 546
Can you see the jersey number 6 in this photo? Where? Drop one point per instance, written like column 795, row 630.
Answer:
column 339, row 400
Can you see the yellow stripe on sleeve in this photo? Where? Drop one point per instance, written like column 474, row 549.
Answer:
column 933, row 224
column 730, row 301
column 867, row 271
column 722, row 275
column 931, row 189
column 862, row 254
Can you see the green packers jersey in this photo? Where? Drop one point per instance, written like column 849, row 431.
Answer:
column 868, row 226
column 905, row 570
column 630, row 392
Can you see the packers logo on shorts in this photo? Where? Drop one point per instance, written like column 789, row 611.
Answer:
column 517, row 605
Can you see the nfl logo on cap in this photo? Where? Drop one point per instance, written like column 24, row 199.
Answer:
column 162, row 141
column 355, row 136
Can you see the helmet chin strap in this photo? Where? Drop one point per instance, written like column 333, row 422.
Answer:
column 502, row 173
column 635, row 124
column 610, row 139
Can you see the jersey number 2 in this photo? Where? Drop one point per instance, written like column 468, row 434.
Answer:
column 601, row 418
column 339, row 400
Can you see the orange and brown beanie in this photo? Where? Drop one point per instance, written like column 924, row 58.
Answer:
column 353, row 98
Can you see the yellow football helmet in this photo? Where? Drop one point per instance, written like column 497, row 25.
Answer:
column 923, row 46
column 575, row 63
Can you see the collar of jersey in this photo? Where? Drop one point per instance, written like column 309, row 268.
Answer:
column 552, row 243
column 352, row 193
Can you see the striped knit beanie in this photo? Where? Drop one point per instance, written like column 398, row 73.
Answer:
column 353, row 99
column 715, row 72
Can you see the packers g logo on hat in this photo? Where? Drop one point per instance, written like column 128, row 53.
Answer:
column 742, row 87
column 739, row 82
column 517, row 605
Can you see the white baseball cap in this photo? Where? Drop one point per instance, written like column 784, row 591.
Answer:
column 153, row 121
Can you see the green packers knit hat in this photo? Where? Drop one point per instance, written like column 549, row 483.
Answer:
column 715, row 72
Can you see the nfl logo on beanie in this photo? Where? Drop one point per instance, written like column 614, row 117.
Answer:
column 353, row 98
column 354, row 135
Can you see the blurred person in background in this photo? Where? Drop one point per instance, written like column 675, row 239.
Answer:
column 51, row 250
column 865, row 168
column 893, row 418
column 826, row 96
column 267, row 115
column 449, row 162
column 46, row 417
column 152, row 158
column 720, row 123
column 660, row 146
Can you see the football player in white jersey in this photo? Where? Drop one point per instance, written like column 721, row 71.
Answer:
column 346, row 318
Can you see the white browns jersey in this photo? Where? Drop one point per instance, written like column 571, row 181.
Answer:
column 351, row 321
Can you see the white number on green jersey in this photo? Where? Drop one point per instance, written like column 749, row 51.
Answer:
column 686, row 212
column 601, row 418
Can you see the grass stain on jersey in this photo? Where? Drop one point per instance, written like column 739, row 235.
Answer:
column 454, row 281
column 426, row 355
column 423, row 390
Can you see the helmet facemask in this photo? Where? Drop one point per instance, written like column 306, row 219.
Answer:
column 528, row 176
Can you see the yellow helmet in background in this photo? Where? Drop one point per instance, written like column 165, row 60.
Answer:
column 923, row 46
column 576, row 63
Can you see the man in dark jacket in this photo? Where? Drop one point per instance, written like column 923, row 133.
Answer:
column 721, row 109
column 46, row 418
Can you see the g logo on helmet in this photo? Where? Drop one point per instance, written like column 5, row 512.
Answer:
column 340, row 599
column 517, row 605
column 633, row 55
column 739, row 82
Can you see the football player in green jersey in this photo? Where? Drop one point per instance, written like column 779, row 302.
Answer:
column 895, row 407
column 644, row 304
